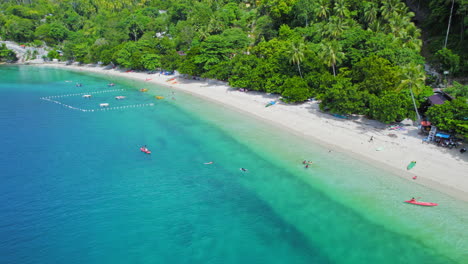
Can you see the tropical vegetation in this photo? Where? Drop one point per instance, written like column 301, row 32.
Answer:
column 356, row 57
column 6, row 55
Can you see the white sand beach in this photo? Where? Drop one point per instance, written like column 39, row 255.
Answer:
column 442, row 169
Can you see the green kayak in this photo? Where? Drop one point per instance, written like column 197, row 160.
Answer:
column 411, row 165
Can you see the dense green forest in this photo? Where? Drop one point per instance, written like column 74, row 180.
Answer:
column 6, row 54
column 356, row 57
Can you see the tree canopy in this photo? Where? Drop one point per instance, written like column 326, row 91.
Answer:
column 6, row 54
column 357, row 57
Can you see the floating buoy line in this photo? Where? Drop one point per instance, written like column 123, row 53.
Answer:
column 106, row 108
column 76, row 94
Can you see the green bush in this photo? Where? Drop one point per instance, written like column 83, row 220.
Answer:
column 53, row 54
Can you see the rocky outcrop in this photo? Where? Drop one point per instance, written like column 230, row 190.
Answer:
column 26, row 54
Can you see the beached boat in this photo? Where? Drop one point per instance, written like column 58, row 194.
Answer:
column 159, row 97
column 145, row 150
column 411, row 165
column 421, row 203
column 270, row 103
column 340, row 116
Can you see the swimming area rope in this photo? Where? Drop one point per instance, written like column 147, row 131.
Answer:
column 49, row 98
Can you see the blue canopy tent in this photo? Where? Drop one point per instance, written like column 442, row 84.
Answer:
column 442, row 135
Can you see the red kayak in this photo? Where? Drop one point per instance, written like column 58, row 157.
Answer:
column 421, row 203
column 145, row 150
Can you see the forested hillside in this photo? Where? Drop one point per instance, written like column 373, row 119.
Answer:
column 357, row 57
column 437, row 18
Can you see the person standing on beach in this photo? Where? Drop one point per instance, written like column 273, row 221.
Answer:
column 371, row 139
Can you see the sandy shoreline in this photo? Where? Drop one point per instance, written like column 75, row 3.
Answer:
column 442, row 169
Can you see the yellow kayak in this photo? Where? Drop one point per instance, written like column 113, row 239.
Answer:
column 159, row 97
column 143, row 90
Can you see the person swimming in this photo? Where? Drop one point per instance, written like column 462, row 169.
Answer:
column 243, row 169
column 208, row 163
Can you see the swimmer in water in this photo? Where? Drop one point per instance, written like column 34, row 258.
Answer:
column 242, row 169
column 208, row 163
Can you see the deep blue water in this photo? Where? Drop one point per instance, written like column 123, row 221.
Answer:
column 76, row 189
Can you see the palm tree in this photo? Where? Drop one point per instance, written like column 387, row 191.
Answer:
column 413, row 78
column 411, row 37
column 215, row 26
column 370, row 12
column 203, row 32
column 303, row 9
column 391, row 8
column 335, row 27
column 396, row 26
column 375, row 26
column 341, row 9
column 330, row 52
column 322, row 9
column 296, row 54
column 449, row 22
column 101, row 42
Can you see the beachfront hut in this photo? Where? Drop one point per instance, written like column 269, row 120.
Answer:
column 439, row 98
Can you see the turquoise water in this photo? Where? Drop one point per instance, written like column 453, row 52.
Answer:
column 76, row 189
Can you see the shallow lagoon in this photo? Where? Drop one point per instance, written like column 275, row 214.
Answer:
column 79, row 189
